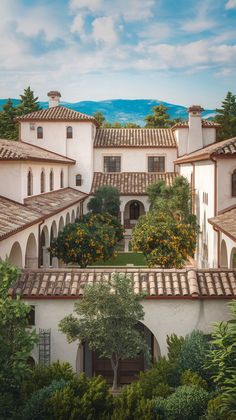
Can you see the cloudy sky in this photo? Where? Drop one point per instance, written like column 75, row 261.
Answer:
column 181, row 51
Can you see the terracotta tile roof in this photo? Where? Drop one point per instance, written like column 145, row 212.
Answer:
column 205, row 124
column 218, row 149
column 57, row 113
column 55, row 201
column 130, row 183
column 15, row 217
column 156, row 283
column 17, row 150
column 226, row 222
column 134, row 137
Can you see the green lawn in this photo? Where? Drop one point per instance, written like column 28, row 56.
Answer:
column 124, row 258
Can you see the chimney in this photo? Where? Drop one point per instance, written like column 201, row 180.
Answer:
column 195, row 137
column 54, row 98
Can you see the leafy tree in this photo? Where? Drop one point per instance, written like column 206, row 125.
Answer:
column 131, row 125
column 16, row 341
column 91, row 238
column 106, row 318
column 28, row 103
column 222, row 362
column 159, row 118
column 226, row 117
column 106, row 200
column 99, row 116
column 8, row 126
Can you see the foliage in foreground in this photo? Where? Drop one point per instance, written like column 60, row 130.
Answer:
column 106, row 317
column 91, row 238
column 105, row 200
column 226, row 117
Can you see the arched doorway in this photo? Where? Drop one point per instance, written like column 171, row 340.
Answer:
column 44, row 245
column 133, row 210
column 15, row 257
column 233, row 259
column 89, row 362
column 31, row 255
column 223, row 255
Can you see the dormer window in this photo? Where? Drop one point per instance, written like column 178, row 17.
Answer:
column 78, row 180
column 51, row 180
column 39, row 132
column 30, row 183
column 234, row 184
column 69, row 132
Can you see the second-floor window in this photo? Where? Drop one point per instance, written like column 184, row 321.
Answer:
column 39, row 132
column 156, row 164
column 112, row 163
column 69, row 132
column 234, row 184
column 51, row 180
column 78, row 180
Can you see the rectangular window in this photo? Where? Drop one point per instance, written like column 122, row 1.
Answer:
column 112, row 163
column 31, row 316
column 78, row 180
column 156, row 164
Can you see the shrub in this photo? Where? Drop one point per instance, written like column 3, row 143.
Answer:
column 193, row 354
column 214, row 410
column 187, row 403
column 161, row 373
column 191, row 378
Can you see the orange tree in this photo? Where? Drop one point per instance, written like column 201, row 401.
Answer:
column 164, row 240
column 91, row 238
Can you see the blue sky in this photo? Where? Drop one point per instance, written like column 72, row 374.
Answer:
column 182, row 51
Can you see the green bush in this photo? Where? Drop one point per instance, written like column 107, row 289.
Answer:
column 37, row 407
column 214, row 410
column 193, row 354
column 162, row 372
column 187, row 403
column 82, row 398
column 191, row 378
column 131, row 405
column 43, row 376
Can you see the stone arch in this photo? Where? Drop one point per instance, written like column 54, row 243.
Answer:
column 53, row 235
column 15, row 257
column 91, row 364
column 31, row 255
column 73, row 216
column 223, row 255
column 61, row 224
column 233, row 258
column 77, row 212
column 67, row 218
column 132, row 211
column 44, row 244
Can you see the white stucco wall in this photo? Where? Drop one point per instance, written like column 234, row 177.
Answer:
column 134, row 160
column 163, row 317
column 186, row 170
column 225, row 168
column 209, row 136
column 79, row 148
column 181, row 135
column 10, row 177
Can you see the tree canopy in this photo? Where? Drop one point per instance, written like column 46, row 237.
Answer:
column 28, row 102
column 91, row 238
column 159, row 118
column 226, row 117
column 106, row 318
column 106, row 200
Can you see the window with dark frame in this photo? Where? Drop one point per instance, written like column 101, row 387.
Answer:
column 29, row 183
column 69, row 132
column 234, row 183
column 156, row 163
column 31, row 316
column 42, row 182
column 112, row 163
column 78, row 180
column 51, row 180
column 39, row 132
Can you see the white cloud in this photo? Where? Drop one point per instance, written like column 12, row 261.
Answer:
column 104, row 30
column 92, row 5
column 198, row 25
column 231, row 4
column 78, row 24
column 155, row 32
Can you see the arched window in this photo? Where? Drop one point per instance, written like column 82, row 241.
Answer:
column 51, row 180
column 134, row 210
column 69, row 132
column 234, row 183
column 62, row 179
column 29, row 183
column 42, row 181
column 39, row 132
column 78, row 180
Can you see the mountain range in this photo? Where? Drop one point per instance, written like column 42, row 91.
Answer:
column 124, row 110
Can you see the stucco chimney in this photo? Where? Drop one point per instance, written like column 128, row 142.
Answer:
column 195, row 137
column 54, row 98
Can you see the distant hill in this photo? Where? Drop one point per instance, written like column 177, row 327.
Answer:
column 124, row 110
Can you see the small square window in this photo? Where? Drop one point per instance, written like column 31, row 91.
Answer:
column 156, row 164
column 112, row 163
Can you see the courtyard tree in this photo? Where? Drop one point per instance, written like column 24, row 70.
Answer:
column 106, row 318
column 8, row 126
column 16, row 342
column 28, row 102
column 226, row 117
column 159, row 118
column 105, row 200
column 99, row 117
column 91, row 238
